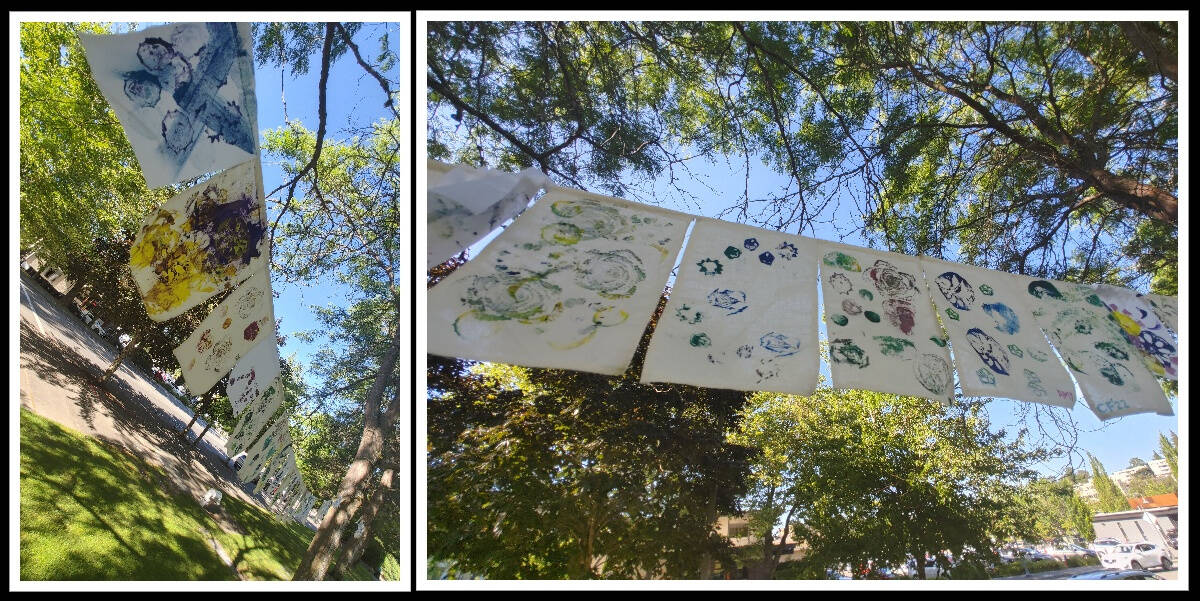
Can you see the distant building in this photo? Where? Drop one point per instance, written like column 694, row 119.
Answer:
column 737, row 530
column 1158, row 467
column 1087, row 491
column 1157, row 525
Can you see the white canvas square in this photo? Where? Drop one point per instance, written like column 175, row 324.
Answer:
column 998, row 347
column 742, row 313
column 184, row 94
column 255, row 417
column 1139, row 322
column 571, row 284
column 252, row 374
column 883, row 335
column 467, row 204
column 201, row 242
column 245, row 318
column 1108, row 369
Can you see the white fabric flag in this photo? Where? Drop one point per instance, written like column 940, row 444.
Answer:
column 570, row 284
column 184, row 94
column 201, row 242
column 1143, row 329
column 998, row 347
column 260, row 454
column 1108, row 369
column 252, row 374
column 883, row 335
column 742, row 313
column 1167, row 310
column 465, row 204
column 241, row 321
column 274, row 472
column 254, row 418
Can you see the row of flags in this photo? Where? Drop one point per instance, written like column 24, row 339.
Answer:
column 184, row 94
column 573, row 281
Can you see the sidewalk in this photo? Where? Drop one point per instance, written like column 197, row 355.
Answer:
column 61, row 360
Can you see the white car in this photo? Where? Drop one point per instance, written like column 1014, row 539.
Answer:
column 1137, row 556
column 1106, row 545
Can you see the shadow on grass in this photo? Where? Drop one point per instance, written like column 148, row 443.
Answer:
column 91, row 511
column 269, row 547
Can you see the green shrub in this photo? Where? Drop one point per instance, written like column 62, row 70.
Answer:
column 799, row 570
column 391, row 568
column 969, row 570
column 1079, row 561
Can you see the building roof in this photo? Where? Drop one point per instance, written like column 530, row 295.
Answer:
column 1167, row 500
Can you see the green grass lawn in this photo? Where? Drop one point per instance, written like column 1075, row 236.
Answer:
column 92, row 511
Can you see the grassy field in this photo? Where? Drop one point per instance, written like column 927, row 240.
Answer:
column 92, row 511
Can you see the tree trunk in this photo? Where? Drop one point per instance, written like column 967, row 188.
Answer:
column 370, row 511
column 120, row 358
column 206, row 427
column 920, row 557
column 376, row 423
column 204, row 403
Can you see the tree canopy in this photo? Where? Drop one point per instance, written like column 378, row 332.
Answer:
column 1042, row 148
column 869, row 477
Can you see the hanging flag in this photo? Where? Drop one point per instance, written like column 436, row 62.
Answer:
column 275, row 471
column 184, row 94
column 1113, row 379
column 1143, row 329
column 260, row 454
column 203, row 241
column 253, row 419
column 570, row 284
column 883, row 335
column 998, row 347
column 241, row 321
column 742, row 313
column 1167, row 310
column 251, row 374
column 465, row 204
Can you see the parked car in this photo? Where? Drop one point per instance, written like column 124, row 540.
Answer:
column 1137, row 556
column 1062, row 552
column 1104, row 545
column 1118, row 575
column 930, row 565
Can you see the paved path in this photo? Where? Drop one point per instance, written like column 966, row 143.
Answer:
column 1069, row 572
column 60, row 362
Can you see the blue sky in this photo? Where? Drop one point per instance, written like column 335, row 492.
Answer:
column 354, row 100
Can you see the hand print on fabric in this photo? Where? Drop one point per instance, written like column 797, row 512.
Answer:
column 184, row 94
column 757, row 292
column 956, row 290
column 565, row 286
column 891, row 282
column 199, row 243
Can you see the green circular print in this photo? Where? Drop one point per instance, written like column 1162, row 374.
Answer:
column 839, row 319
column 872, row 316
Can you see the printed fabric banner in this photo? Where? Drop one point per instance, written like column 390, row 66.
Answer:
column 1143, row 329
column 184, row 94
column 254, row 418
column 241, row 321
column 251, row 375
column 260, row 453
column 1114, row 380
column 570, row 284
column 883, row 335
column 1167, row 310
column 202, row 242
column 466, row 204
column 998, row 347
column 742, row 313
column 275, row 470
